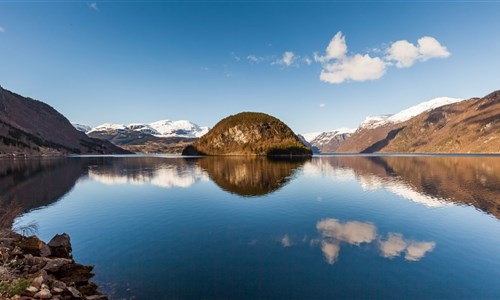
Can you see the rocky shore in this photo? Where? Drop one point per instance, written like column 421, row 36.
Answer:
column 32, row 269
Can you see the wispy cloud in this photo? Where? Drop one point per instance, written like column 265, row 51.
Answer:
column 204, row 68
column 287, row 59
column 255, row 59
column 2, row 29
column 322, row 105
column 93, row 5
column 339, row 66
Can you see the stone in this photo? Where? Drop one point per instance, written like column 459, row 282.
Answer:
column 88, row 289
column 57, row 290
column 58, row 284
column 33, row 245
column 74, row 292
column 54, row 265
column 43, row 294
column 41, row 278
column 60, row 245
column 76, row 273
column 96, row 297
column 30, row 291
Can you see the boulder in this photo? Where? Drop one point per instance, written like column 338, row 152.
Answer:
column 33, row 245
column 43, row 294
column 54, row 265
column 60, row 245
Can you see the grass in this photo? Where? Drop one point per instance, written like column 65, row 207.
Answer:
column 14, row 287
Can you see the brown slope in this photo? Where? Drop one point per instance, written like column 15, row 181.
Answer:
column 249, row 133
column 367, row 139
column 29, row 126
column 471, row 126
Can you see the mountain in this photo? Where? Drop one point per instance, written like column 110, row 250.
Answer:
column 378, row 128
column 249, row 133
column 81, row 127
column 31, row 127
column 159, row 137
column 471, row 126
column 328, row 141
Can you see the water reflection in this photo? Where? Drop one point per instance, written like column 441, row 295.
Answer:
column 250, row 176
column 333, row 233
column 27, row 184
column 431, row 181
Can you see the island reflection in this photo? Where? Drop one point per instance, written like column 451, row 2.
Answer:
column 250, row 175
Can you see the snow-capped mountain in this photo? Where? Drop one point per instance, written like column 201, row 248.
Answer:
column 182, row 128
column 81, row 127
column 329, row 141
column 163, row 128
column 404, row 115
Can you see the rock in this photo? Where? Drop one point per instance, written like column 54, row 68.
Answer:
column 57, row 290
column 75, row 273
column 33, row 245
column 30, row 291
column 74, row 292
column 96, row 297
column 58, row 284
column 60, row 245
column 41, row 278
column 43, row 294
column 55, row 264
column 88, row 289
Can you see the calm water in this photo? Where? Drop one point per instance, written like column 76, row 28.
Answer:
column 225, row 228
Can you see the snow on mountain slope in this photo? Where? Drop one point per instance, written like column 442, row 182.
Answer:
column 310, row 135
column 81, row 127
column 404, row 115
column 182, row 128
column 163, row 128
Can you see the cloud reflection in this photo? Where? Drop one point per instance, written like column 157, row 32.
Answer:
column 334, row 232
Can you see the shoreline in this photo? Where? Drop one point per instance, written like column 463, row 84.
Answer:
column 33, row 269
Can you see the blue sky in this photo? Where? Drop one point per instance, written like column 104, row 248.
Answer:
column 132, row 61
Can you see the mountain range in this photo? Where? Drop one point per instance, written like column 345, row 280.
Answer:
column 440, row 125
column 31, row 127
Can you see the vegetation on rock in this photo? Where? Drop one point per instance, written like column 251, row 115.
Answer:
column 249, row 133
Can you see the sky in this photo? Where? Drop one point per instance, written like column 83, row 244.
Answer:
column 316, row 65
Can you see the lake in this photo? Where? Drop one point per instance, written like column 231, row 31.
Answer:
column 168, row 227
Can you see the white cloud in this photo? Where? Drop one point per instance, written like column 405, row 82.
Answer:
column 336, row 49
column 330, row 251
column 358, row 68
column 322, row 105
column 285, row 241
column 308, row 61
column 405, row 54
column 204, row 68
column 93, row 5
column 287, row 59
column 352, row 232
column 2, row 29
column 339, row 66
column 255, row 58
column 236, row 57
column 417, row 250
column 395, row 245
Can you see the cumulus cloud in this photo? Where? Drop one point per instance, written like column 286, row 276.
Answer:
column 352, row 232
column 340, row 66
column 287, row 59
column 357, row 68
column 396, row 244
column 330, row 251
column 405, row 54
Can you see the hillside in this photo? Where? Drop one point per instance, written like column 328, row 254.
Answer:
column 31, row 127
column 249, row 133
column 374, row 131
column 330, row 141
column 471, row 126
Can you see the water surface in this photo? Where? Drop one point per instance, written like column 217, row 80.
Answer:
column 236, row 227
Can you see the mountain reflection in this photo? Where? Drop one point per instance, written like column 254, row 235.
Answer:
column 250, row 176
column 157, row 171
column 431, row 181
column 26, row 184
